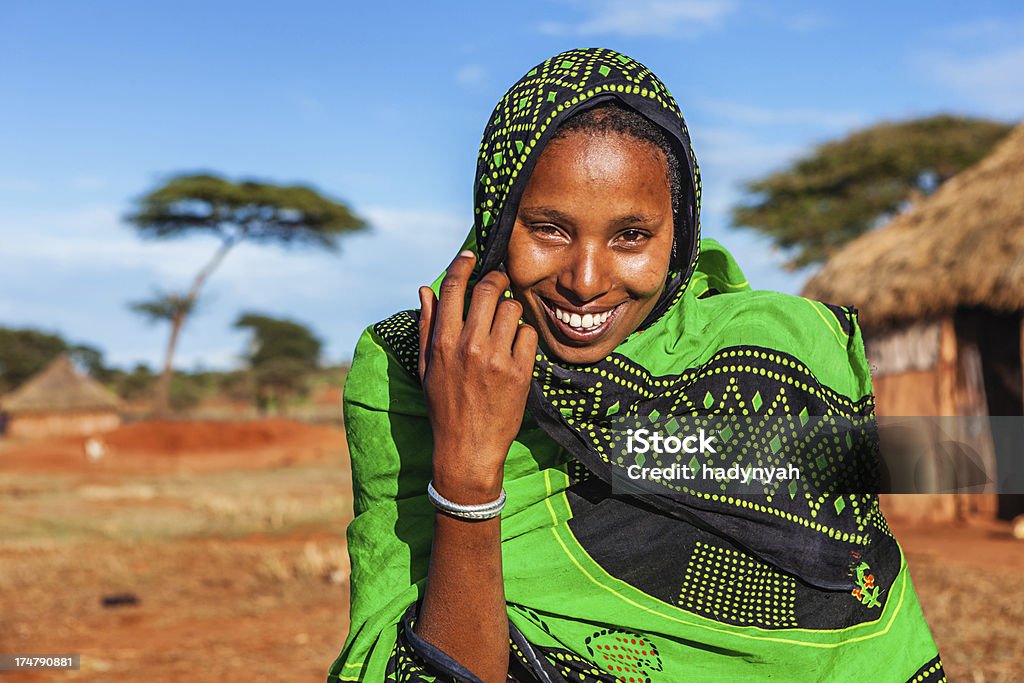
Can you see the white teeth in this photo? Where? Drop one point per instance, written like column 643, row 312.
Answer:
column 589, row 321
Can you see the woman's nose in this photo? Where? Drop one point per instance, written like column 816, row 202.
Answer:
column 587, row 275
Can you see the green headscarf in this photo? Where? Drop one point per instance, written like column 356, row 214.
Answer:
column 799, row 581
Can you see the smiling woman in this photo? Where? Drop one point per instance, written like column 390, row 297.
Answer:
column 492, row 539
column 590, row 251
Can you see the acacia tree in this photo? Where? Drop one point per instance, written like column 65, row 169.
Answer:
column 234, row 212
column 282, row 354
column 843, row 188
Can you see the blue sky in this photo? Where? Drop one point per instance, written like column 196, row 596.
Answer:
column 382, row 104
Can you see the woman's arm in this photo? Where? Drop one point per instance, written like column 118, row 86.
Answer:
column 463, row 611
column 476, row 376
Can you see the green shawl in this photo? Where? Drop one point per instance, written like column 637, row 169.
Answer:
column 799, row 580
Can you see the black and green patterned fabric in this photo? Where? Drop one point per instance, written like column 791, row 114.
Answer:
column 794, row 580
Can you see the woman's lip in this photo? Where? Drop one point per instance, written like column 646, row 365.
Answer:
column 578, row 335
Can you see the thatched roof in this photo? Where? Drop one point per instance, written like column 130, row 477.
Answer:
column 59, row 388
column 962, row 246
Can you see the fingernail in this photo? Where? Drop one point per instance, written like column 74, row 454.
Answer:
column 467, row 253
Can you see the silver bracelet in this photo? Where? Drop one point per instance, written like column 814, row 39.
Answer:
column 481, row 511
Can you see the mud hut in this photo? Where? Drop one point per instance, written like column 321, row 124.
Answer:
column 60, row 401
column 940, row 290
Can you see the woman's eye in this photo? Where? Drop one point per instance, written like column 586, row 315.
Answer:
column 633, row 236
column 544, row 229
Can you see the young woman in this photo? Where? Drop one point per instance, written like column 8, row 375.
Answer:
column 492, row 540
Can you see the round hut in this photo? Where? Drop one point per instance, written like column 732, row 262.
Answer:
column 60, row 401
column 940, row 290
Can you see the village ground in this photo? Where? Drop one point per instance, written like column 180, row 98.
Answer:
column 226, row 539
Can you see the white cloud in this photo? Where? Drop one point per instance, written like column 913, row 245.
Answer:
column 645, row 18
column 765, row 116
column 471, row 75
column 986, row 28
column 423, row 226
column 740, row 153
column 15, row 184
column 806, row 23
column 994, row 80
column 92, row 238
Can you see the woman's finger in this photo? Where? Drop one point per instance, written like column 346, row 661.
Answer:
column 452, row 298
column 506, row 320
column 524, row 349
column 427, row 304
column 486, row 294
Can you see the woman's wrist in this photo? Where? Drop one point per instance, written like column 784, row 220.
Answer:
column 462, row 477
column 467, row 491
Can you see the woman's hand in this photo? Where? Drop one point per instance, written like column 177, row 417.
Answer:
column 476, row 377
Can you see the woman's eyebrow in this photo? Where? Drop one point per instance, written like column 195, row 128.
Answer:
column 637, row 218
column 552, row 214
column 546, row 212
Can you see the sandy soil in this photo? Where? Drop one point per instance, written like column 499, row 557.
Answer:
column 235, row 552
column 230, row 536
column 970, row 580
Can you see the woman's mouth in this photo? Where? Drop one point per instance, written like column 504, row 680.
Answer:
column 580, row 327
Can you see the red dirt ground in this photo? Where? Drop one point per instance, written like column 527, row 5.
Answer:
column 156, row 447
column 251, row 608
column 264, row 606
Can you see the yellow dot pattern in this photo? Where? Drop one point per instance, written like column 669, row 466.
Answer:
column 931, row 672
column 402, row 335
column 730, row 586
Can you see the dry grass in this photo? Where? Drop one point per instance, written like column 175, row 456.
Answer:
column 239, row 572
column 316, row 561
column 220, row 504
column 208, row 610
column 976, row 618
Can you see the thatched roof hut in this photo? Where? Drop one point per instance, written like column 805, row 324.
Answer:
column 60, row 400
column 940, row 290
column 962, row 246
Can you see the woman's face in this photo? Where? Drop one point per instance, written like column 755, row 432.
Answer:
column 590, row 251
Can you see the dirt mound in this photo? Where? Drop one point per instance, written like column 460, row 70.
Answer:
column 174, row 437
column 179, row 445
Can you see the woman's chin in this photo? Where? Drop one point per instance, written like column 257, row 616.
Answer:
column 576, row 354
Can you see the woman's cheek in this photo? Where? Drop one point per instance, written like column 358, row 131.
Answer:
column 645, row 276
column 532, row 265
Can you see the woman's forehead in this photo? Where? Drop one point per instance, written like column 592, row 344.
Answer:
column 606, row 161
